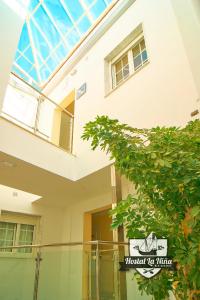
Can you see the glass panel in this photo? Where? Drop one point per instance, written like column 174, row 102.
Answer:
column 46, row 26
column 84, row 25
column 137, row 62
column 33, row 74
column 48, row 23
column 29, row 55
column 20, row 106
column 125, row 60
column 89, row 2
column 144, row 55
column 118, row 66
column 107, row 279
column 7, row 235
column 61, row 275
column 69, row 273
column 75, row 9
column 73, row 37
column 24, row 63
column 26, row 237
column 24, row 41
column 16, row 277
column 136, row 51
column 44, row 73
column 97, row 9
column 25, row 107
column 46, row 119
column 59, row 15
column 119, row 77
column 126, row 71
column 33, row 4
column 142, row 45
column 60, row 53
column 122, row 69
column 40, row 43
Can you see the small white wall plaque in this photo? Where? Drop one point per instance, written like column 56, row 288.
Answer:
column 81, row 91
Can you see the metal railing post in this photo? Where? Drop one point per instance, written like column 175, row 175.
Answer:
column 97, row 272
column 37, row 274
column 39, row 99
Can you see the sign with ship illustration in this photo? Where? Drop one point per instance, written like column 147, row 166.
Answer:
column 148, row 256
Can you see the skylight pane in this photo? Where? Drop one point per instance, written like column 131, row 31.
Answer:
column 73, row 38
column 51, row 31
column 44, row 73
column 89, row 2
column 84, row 25
column 24, row 39
column 29, row 55
column 33, row 4
column 33, row 74
column 97, row 9
column 75, row 8
column 60, row 53
column 39, row 42
column 46, row 26
column 52, row 63
column 40, row 60
column 24, row 64
column 59, row 15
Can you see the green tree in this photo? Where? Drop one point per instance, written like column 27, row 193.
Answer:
column 164, row 165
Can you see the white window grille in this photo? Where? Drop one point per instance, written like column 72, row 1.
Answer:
column 128, row 62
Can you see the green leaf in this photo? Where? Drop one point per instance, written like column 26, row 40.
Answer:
column 195, row 211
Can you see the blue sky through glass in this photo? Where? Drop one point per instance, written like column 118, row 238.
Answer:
column 51, row 30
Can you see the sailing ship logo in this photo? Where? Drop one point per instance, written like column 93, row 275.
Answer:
column 150, row 248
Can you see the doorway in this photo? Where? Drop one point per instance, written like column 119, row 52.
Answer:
column 101, row 230
column 97, row 226
column 62, row 129
column 65, row 134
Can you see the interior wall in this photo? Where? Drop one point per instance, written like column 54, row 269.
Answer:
column 19, row 272
column 52, row 218
column 188, row 19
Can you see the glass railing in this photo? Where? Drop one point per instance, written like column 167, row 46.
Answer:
column 37, row 113
column 72, row 271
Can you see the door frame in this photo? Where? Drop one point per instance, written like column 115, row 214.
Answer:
column 87, row 236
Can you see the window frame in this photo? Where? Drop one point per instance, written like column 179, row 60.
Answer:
column 114, row 73
column 129, row 52
column 20, row 219
column 16, row 237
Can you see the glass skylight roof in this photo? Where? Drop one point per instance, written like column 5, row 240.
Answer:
column 51, row 30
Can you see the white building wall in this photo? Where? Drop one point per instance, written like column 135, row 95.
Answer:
column 51, row 218
column 162, row 93
column 188, row 19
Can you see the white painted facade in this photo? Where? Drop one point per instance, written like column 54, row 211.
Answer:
column 152, row 96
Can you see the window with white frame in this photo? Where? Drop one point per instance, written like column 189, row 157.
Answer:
column 12, row 234
column 16, row 230
column 129, row 62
